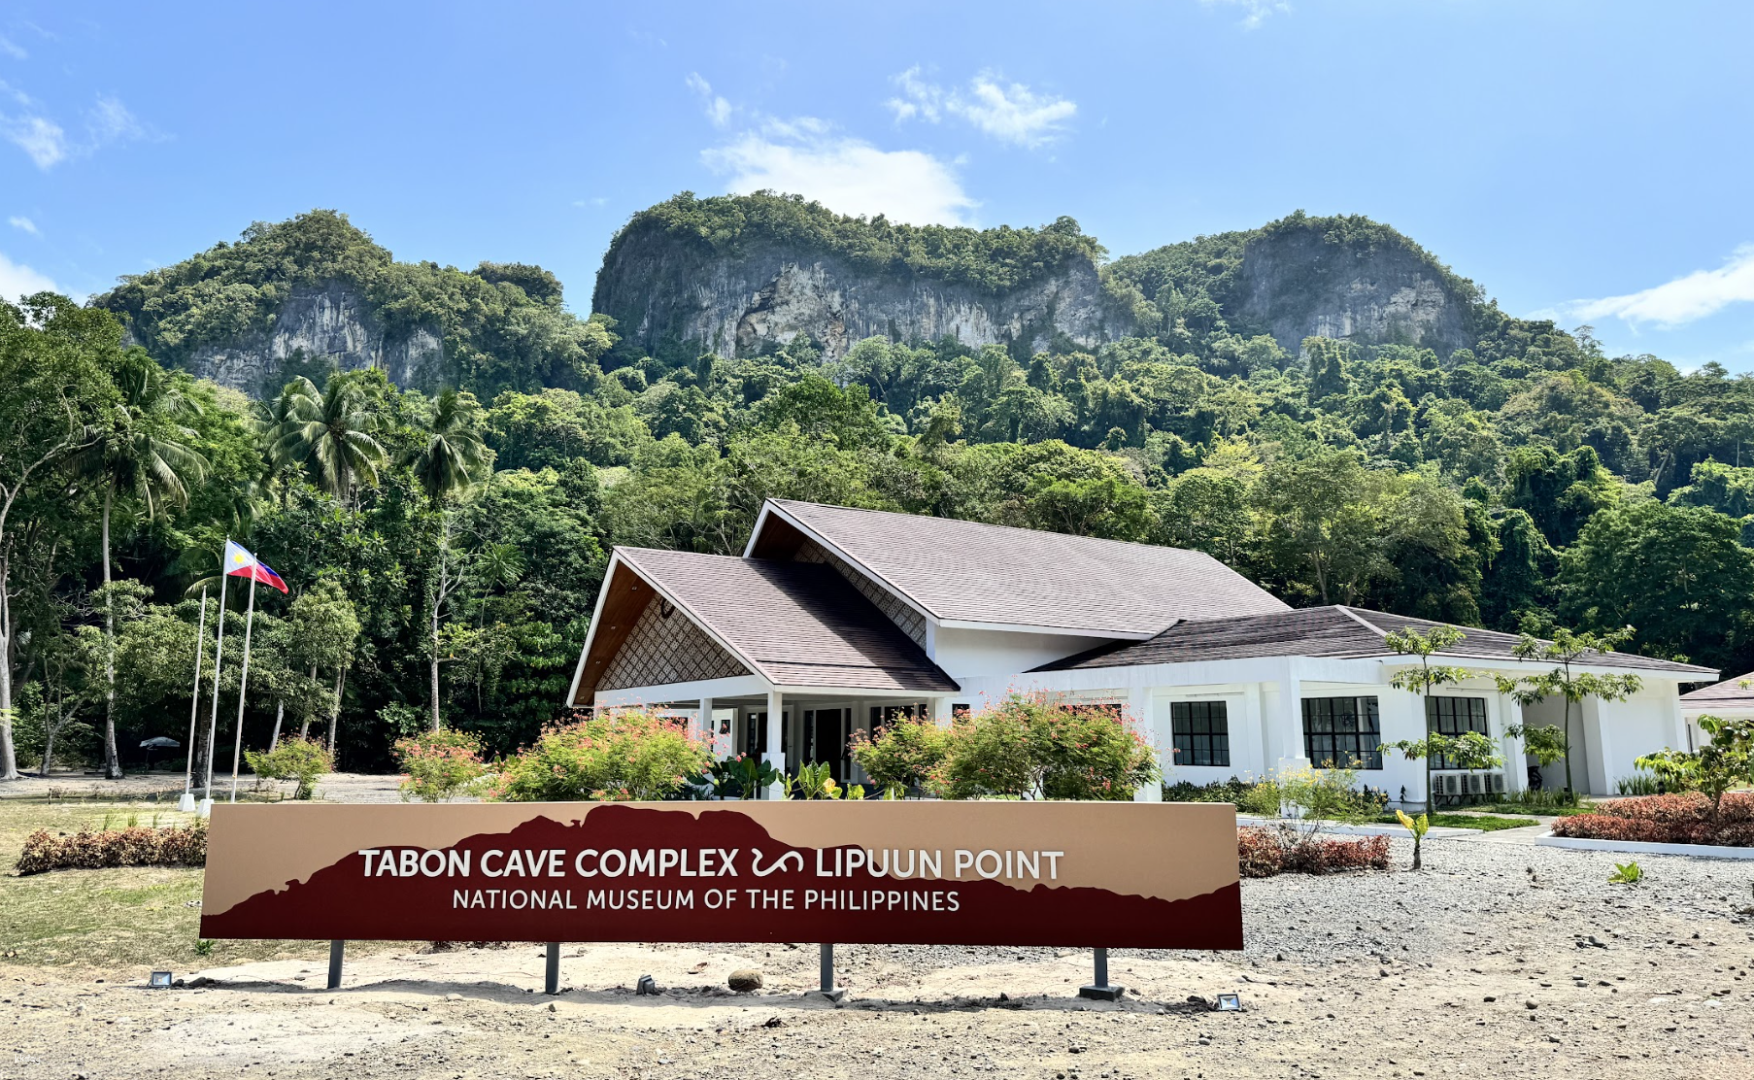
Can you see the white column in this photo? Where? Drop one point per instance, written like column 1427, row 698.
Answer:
column 1248, row 755
column 941, row 714
column 709, row 729
column 1289, row 720
column 1139, row 704
column 1598, row 747
column 1516, row 768
column 775, row 727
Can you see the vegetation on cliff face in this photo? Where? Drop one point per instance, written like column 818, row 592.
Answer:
column 1526, row 482
column 992, row 260
column 503, row 325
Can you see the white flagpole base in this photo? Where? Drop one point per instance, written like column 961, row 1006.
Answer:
column 206, row 808
column 186, row 804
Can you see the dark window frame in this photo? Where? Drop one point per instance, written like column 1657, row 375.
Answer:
column 1200, row 732
column 1455, row 714
column 1343, row 729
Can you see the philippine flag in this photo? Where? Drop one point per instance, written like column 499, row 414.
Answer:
column 240, row 563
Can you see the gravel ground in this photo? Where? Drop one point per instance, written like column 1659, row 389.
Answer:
column 165, row 786
column 1502, row 959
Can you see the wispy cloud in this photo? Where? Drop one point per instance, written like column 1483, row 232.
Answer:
column 1685, row 299
column 809, row 156
column 718, row 110
column 845, row 174
column 24, row 224
column 18, row 280
column 593, row 201
column 1008, row 111
column 1255, row 12
column 39, row 137
column 47, row 143
column 13, row 49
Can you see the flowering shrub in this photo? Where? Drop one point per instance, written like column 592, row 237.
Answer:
column 902, row 753
column 87, row 850
column 299, row 760
column 437, row 766
column 1267, row 852
column 1029, row 747
column 615, row 757
column 1667, row 819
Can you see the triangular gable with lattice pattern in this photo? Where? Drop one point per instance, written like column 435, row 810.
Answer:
column 664, row 647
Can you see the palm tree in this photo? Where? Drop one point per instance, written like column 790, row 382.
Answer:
column 451, row 460
column 331, row 429
column 141, row 451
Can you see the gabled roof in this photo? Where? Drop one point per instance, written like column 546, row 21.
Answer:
column 993, row 575
column 1736, row 693
column 795, row 624
column 1336, row 632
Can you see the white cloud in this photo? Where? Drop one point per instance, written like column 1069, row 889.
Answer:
column 593, row 201
column 18, row 221
column 1008, row 111
column 1683, row 300
column 718, row 110
column 18, row 280
column 845, row 174
column 38, row 137
column 13, row 49
column 1255, row 12
column 110, row 121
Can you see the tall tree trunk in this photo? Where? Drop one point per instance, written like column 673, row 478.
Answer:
column 304, row 729
column 1569, row 790
column 8, row 753
column 435, row 665
column 49, row 738
column 279, row 715
column 112, row 760
column 335, row 713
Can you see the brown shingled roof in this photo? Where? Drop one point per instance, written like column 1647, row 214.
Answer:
column 965, row 571
column 1333, row 632
column 1729, row 694
column 797, row 624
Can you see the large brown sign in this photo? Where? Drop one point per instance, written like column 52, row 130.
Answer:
column 1121, row 875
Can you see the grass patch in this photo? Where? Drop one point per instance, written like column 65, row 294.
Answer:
column 1469, row 821
column 1520, row 808
column 128, row 917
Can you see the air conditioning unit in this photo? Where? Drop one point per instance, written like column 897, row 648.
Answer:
column 1452, row 785
column 1476, row 784
column 1495, row 783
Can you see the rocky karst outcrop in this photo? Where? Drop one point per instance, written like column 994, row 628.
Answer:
column 667, row 294
column 315, row 329
column 1304, row 282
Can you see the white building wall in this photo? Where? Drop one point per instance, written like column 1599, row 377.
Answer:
column 975, row 653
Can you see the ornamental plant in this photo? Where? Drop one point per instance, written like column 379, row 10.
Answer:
column 1726, row 762
column 615, row 757
column 1028, row 747
column 903, row 752
column 1566, row 650
column 437, row 766
column 299, row 760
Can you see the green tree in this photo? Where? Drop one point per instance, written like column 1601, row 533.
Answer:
column 140, row 450
column 54, row 359
column 331, row 430
column 1423, row 680
column 1566, row 650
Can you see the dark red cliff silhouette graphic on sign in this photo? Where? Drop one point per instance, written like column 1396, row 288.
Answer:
column 637, row 873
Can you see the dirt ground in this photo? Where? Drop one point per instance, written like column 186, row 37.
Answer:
column 1508, row 961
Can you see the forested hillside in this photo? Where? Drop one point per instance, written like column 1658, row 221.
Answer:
column 1515, row 478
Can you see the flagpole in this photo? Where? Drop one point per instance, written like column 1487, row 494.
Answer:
column 213, row 717
column 237, row 750
column 187, row 802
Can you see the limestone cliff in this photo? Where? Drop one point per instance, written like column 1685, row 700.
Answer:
column 315, row 329
column 673, row 291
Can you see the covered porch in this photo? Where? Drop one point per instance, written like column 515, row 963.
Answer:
column 787, row 727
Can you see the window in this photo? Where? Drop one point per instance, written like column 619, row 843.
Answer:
column 1454, row 716
column 1342, row 730
column 1201, row 731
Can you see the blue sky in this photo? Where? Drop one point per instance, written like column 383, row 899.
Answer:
column 1585, row 160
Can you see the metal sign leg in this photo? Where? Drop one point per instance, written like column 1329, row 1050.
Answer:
column 337, row 950
column 553, row 983
column 1100, row 990
column 828, row 989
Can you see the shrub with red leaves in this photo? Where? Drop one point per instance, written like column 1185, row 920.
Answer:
column 87, row 850
column 1268, row 852
column 1667, row 819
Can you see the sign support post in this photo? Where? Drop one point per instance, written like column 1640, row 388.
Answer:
column 1099, row 989
column 552, row 985
column 829, row 990
column 337, row 949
